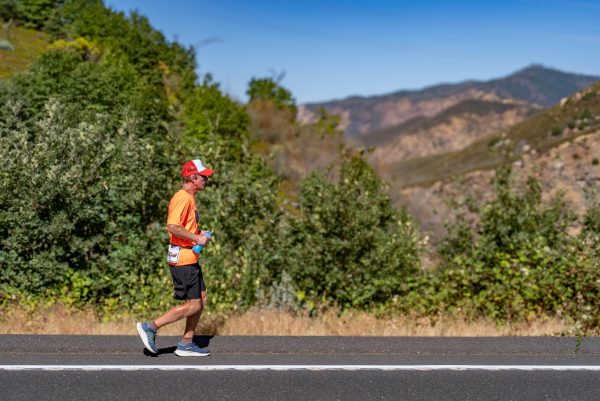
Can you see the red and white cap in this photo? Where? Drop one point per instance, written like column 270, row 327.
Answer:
column 192, row 167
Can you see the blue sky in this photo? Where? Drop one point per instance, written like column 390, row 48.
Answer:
column 335, row 49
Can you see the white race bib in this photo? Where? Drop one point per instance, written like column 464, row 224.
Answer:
column 173, row 254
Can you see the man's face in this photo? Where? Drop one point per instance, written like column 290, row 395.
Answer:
column 200, row 182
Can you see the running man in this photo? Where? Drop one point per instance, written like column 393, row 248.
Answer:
column 182, row 225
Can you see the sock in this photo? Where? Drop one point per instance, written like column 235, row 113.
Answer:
column 185, row 341
column 152, row 326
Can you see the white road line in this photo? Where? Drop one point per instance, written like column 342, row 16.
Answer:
column 298, row 367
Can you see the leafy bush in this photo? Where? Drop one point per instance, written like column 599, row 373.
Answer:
column 210, row 115
column 128, row 39
column 348, row 245
column 515, row 261
column 84, row 184
column 30, row 13
column 75, row 212
column 591, row 221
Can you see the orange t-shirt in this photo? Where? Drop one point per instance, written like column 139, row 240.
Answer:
column 183, row 212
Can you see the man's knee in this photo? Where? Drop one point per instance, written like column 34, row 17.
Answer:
column 194, row 306
column 204, row 298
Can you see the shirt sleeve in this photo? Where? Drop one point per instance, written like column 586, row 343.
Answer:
column 178, row 208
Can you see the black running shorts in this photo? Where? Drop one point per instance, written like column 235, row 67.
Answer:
column 188, row 282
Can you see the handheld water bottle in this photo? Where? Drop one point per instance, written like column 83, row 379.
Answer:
column 198, row 248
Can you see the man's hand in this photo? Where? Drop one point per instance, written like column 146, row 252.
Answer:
column 201, row 239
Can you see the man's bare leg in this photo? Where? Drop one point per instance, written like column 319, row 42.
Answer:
column 187, row 309
column 191, row 322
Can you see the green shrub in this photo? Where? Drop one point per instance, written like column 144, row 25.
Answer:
column 515, row 261
column 128, row 39
column 591, row 220
column 348, row 245
column 210, row 115
column 30, row 13
column 589, row 96
column 77, row 207
column 494, row 141
column 89, row 88
column 85, row 182
column 240, row 206
column 586, row 114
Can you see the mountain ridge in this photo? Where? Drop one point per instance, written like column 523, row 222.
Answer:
column 535, row 84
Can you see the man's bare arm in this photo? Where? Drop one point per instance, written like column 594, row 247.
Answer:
column 181, row 232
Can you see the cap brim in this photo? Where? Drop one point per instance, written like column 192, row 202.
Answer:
column 207, row 173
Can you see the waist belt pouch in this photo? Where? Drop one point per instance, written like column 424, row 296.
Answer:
column 173, row 254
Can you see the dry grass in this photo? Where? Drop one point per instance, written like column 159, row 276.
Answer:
column 58, row 320
column 271, row 322
column 28, row 43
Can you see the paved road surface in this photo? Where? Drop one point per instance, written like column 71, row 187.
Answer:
column 301, row 368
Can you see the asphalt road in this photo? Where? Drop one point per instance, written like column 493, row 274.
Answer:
column 301, row 368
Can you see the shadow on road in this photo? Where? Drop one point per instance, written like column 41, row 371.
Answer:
column 201, row 341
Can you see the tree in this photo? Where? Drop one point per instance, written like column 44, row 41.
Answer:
column 268, row 89
column 30, row 13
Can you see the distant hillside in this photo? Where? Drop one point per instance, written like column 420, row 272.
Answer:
column 573, row 117
column 536, row 85
column 450, row 130
column 474, row 107
column 560, row 146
